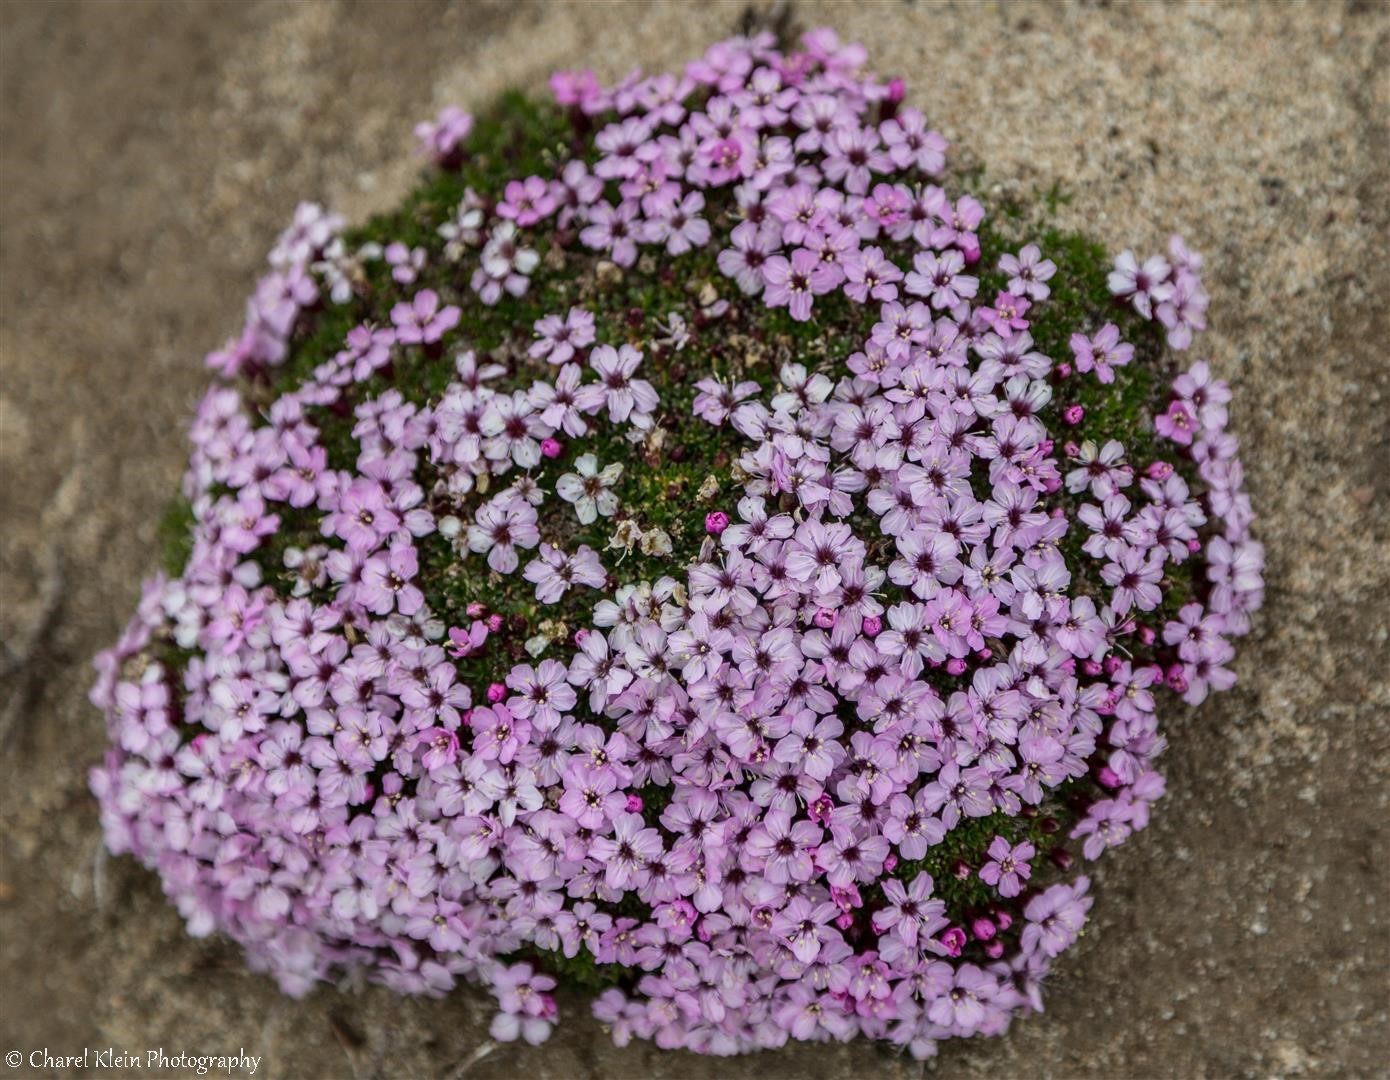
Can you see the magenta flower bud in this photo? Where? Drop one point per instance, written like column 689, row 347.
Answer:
column 1068, row 665
column 495, row 623
column 1147, row 635
column 961, row 870
column 956, row 665
column 1050, row 825
column 844, row 921
column 581, row 635
column 634, row 804
column 716, row 521
column 824, row 618
column 897, row 90
column 1074, row 414
column 496, row 692
column 890, row 864
column 1062, row 370
column 1158, row 470
column 1112, row 664
column 872, row 625
column 1176, row 678
column 1057, row 512
column 985, row 653
column 1091, row 668
column 1194, row 545
column 1107, row 777
column 983, row 929
column 552, row 448
column 702, row 932
column 1061, row 858
column 1070, row 448
column 1003, row 920
column 475, row 609
column 994, row 949
column 954, row 940
column 1052, row 484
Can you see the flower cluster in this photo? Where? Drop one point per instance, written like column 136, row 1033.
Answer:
column 818, row 776
column 310, row 244
column 1169, row 290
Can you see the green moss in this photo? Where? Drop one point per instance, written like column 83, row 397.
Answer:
column 578, row 972
column 175, row 536
column 659, row 487
column 964, row 849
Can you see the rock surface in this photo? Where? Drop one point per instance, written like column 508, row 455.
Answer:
column 152, row 152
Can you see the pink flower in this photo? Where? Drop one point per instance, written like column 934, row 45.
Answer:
column 1178, row 423
column 501, row 526
column 940, row 278
column 627, row 400
column 716, row 399
column 387, row 582
column 795, row 283
column 614, row 230
column 465, row 643
column 1007, row 867
column 626, row 853
column 555, row 572
column 559, row 339
column 912, row 145
column 497, row 734
column 442, row 139
column 1007, row 314
column 422, row 320
column 441, row 748
column 527, row 201
column 1028, row 272
column 1144, row 286
column 1101, row 352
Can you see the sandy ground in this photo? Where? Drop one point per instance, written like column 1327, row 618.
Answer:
column 148, row 156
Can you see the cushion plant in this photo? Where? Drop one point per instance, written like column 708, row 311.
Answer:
column 691, row 552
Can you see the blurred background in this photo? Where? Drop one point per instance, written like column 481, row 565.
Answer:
column 150, row 153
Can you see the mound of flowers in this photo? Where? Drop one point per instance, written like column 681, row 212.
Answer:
column 689, row 553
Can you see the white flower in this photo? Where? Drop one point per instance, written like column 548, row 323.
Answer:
column 800, row 389
column 465, row 229
column 504, row 255
column 591, row 489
